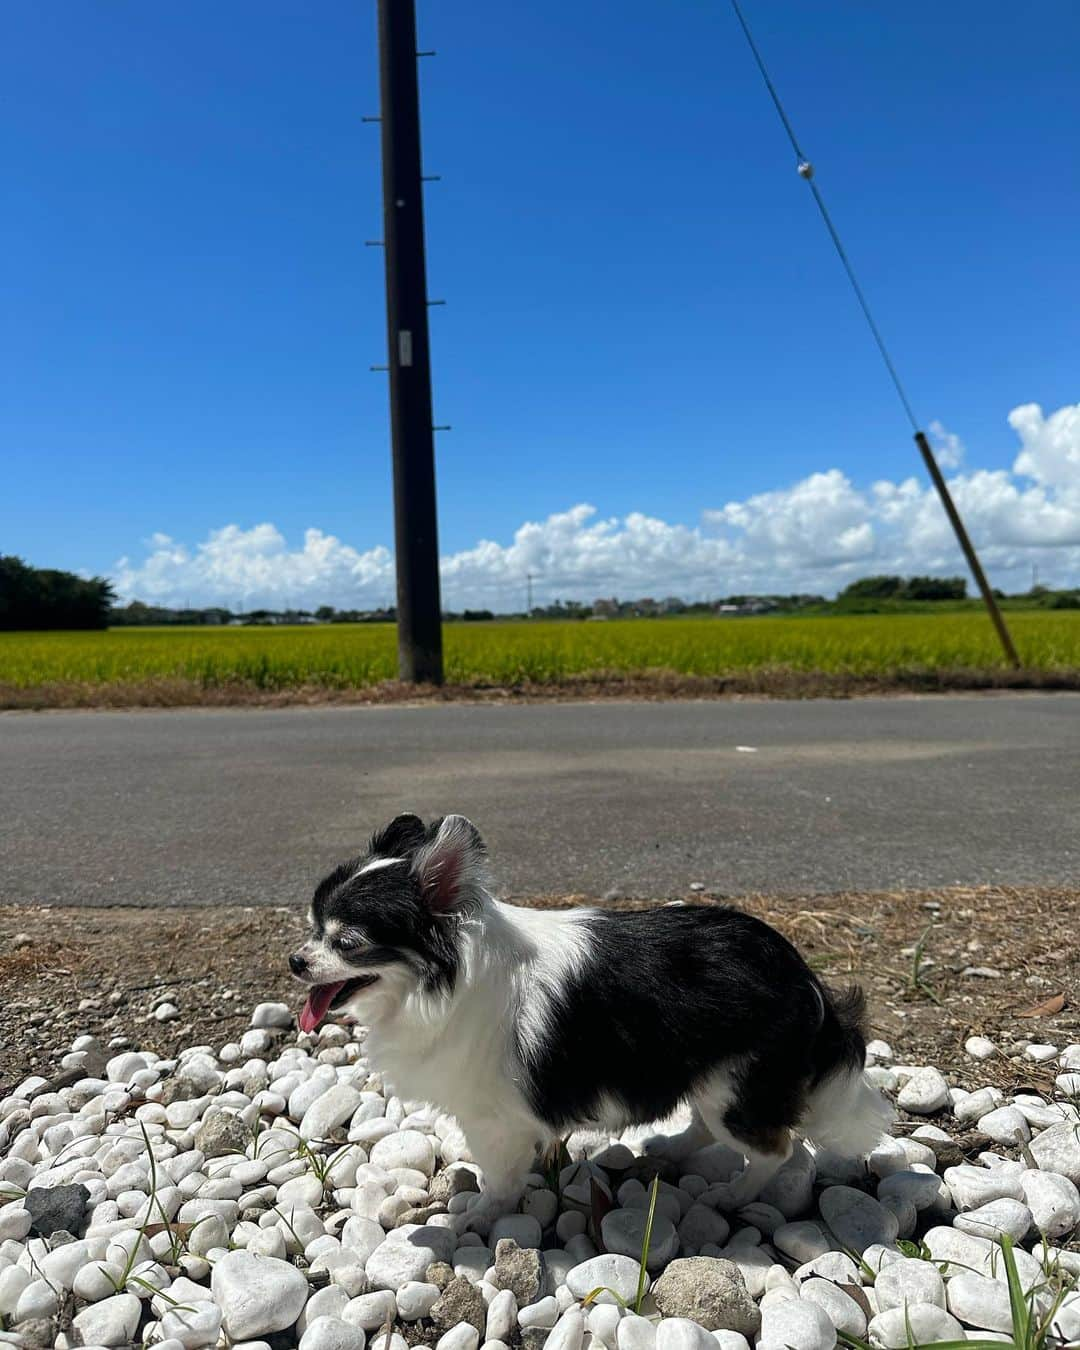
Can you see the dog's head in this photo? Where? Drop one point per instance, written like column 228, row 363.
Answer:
column 384, row 924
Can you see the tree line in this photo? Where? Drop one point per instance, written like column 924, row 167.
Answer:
column 37, row 598
column 42, row 597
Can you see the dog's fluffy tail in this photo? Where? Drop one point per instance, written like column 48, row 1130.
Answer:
column 844, row 1111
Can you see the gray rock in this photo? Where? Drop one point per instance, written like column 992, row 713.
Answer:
column 35, row 1333
column 221, row 1135
column 520, row 1269
column 57, row 1208
column 439, row 1273
column 709, row 1291
column 454, row 1181
column 460, row 1301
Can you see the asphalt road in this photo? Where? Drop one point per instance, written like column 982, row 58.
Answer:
column 251, row 807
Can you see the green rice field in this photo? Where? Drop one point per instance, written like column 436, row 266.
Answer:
column 954, row 649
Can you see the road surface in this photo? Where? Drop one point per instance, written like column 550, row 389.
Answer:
column 253, row 806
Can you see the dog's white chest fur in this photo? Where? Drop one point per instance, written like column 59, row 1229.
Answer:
column 464, row 1054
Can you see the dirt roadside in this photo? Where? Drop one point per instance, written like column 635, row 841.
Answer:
column 918, row 954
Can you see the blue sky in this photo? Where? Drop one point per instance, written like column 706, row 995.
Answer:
column 644, row 313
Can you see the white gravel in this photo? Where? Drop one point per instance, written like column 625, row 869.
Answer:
column 272, row 1191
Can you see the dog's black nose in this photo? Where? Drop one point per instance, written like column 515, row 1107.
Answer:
column 297, row 964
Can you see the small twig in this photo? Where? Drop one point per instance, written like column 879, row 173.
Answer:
column 62, row 1080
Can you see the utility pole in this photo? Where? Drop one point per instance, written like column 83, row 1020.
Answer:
column 419, row 617
column 989, row 598
column 528, row 606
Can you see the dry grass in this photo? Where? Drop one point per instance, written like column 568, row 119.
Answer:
column 781, row 683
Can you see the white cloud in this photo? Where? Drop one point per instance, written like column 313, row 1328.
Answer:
column 949, row 448
column 815, row 535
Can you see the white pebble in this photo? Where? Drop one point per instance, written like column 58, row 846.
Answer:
column 918, row 1323
column 464, row 1336
column 1005, row 1125
column 110, row 1322
column 925, row 1092
column 1053, row 1200
column 979, row 1301
column 404, row 1148
column 332, row 1333
column 636, row 1333
column 798, row 1325
column 680, row 1333
column 257, row 1294
column 569, row 1332
column 543, row 1313
column 415, row 1299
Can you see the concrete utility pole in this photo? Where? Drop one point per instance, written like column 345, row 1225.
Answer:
column 415, row 526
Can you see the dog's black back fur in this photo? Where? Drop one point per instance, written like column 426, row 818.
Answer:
column 621, row 1024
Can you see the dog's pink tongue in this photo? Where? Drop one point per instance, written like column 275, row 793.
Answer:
column 318, row 1005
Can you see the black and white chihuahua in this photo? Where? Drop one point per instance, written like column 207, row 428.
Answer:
column 525, row 1024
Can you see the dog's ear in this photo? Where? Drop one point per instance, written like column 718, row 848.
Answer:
column 450, row 866
column 400, row 839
